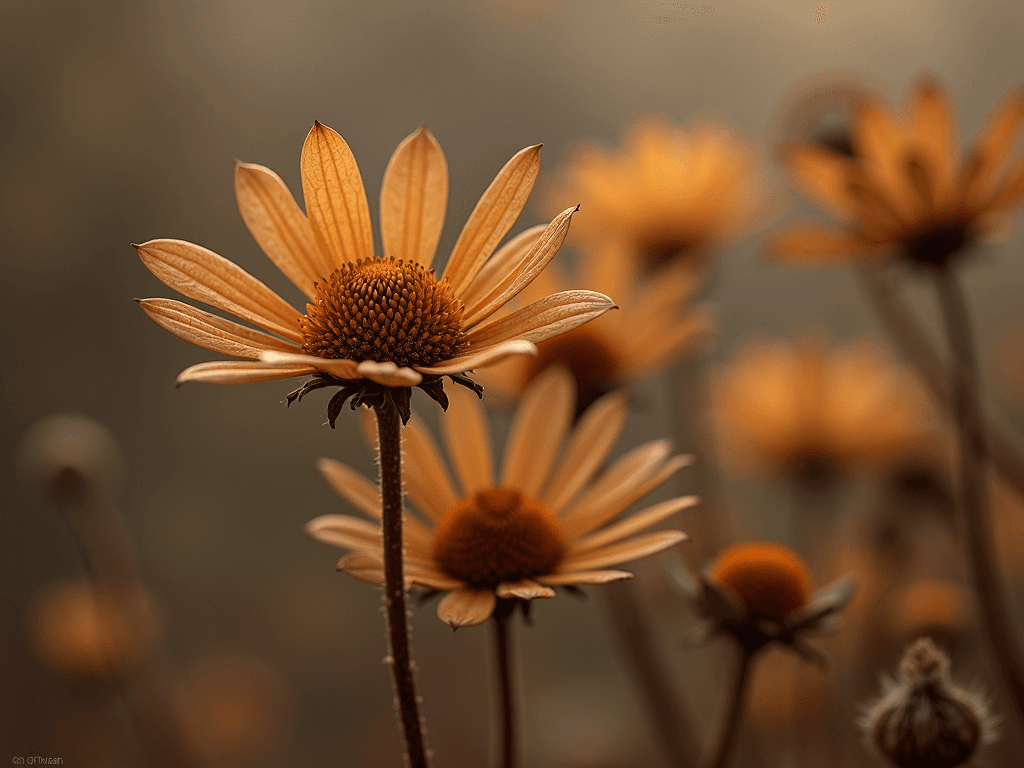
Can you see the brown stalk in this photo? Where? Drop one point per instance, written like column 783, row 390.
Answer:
column 717, row 756
column 502, row 657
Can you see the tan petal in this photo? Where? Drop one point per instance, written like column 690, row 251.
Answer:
column 343, row 369
column 591, row 442
column 389, row 374
column 989, row 152
column 508, row 259
column 823, row 176
column 279, row 226
column 201, row 274
column 633, row 524
column 238, row 372
column 364, row 567
column 524, row 588
column 492, row 217
column 810, row 246
column 514, row 282
column 432, row 579
column 335, row 199
column 466, row 607
column 543, row 319
column 352, row 486
column 426, row 477
column 210, row 331
column 413, row 197
column 583, row 577
column 1011, row 191
column 487, row 355
column 535, row 439
column 346, row 532
column 935, row 129
column 468, row 439
column 622, row 552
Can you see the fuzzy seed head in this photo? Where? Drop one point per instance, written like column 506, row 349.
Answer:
column 769, row 579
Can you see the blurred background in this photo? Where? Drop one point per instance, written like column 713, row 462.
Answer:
column 119, row 123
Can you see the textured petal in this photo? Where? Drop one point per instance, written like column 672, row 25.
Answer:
column 633, row 524
column 413, row 198
column 492, row 217
column 810, row 246
column 573, row 578
column 468, row 439
column 352, row 486
column 335, row 199
column 426, row 477
column 466, row 607
column 279, row 226
column 488, row 354
column 541, row 421
column 201, row 274
column 513, row 282
column 239, row 372
column 622, row 552
column 210, row 331
column 389, row 374
column 508, row 259
column 524, row 588
column 591, row 442
column 343, row 369
column 543, row 319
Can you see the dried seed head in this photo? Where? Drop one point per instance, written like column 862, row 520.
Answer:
column 769, row 579
column 924, row 720
column 496, row 535
column 388, row 310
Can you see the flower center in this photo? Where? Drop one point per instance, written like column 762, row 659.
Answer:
column 496, row 535
column 385, row 310
column 591, row 360
column 934, row 245
column 770, row 580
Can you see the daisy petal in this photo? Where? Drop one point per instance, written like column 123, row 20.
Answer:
column 352, row 486
column 524, row 588
column 335, row 199
column 489, row 354
column 210, row 331
column 431, row 579
column 550, row 316
column 492, row 217
column 343, row 369
column 346, row 532
column 810, row 246
column 1011, row 191
column 279, row 226
column 201, row 274
column 622, row 552
column 990, row 147
column 364, row 567
column 934, row 134
column 573, row 578
column 468, row 439
column 823, row 176
column 466, row 607
column 633, row 524
column 509, row 258
column 540, row 424
column 413, row 197
column 389, row 374
column 426, row 477
column 239, row 372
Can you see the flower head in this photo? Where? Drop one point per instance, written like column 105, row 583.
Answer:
column 542, row 523
column 374, row 325
column 668, row 193
column 905, row 190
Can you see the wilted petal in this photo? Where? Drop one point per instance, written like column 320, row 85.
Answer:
column 343, row 369
column 525, row 589
column 389, row 374
column 543, row 319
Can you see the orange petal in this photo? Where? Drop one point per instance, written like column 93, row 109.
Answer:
column 239, row 372
column 583, row 577
column 810, row 246
column 484, row 355
column 342, row 368
column 543, row 319
column 468, row 439
column 623, row 551
column 633, row 524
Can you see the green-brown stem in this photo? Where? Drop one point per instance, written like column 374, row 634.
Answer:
column 390, row 442
column 973, row 497
column 503, row 660
column 717, row 756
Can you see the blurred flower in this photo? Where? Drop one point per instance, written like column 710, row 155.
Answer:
column 905, row 190
column 668, row 193
column 540, row 525
column 653, row 328
column 923, row 719
column 374, row 326
column 806, row 411
column 758, row 593
column 939, row 608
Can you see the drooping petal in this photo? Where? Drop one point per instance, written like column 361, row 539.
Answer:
column 634, row 523
column 572, row 578
column 364, row 567
column 352, row 486
column 508, row 258
column 335, row 198
column 811, row 246
column 547, row 317
column 540, row 424
column 210, row 331
column 426, row 476
column 622, row 552
column 466, row 607
column 468, row 439
column 240, row 372
column 389, row 374
column 279, row 226
column 343, row 369
column 413, row 198
column 524, row 589
column 492, row 217
column 201, row 274
column 490, row 353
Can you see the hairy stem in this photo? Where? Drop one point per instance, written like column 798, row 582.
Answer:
column 502, row 657
column 390, row 441
column 973, row 499
column 717, row 756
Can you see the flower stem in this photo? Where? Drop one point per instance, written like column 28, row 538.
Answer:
column 718, row 755
column 502, row 617
column 974, row 502
column 390, row 442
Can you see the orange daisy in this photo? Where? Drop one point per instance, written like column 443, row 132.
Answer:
column 375, row 326
column 905, row 190
column 541, row 523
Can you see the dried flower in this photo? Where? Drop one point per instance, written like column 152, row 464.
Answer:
column 543, row 523
column 374, row 326
column 906, row 191
column 923, row 719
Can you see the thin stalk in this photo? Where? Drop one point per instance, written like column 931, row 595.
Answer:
column 1003, row 449
column 718, row 755
column 400, row 659
column 502, row 657
column 974, row 502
